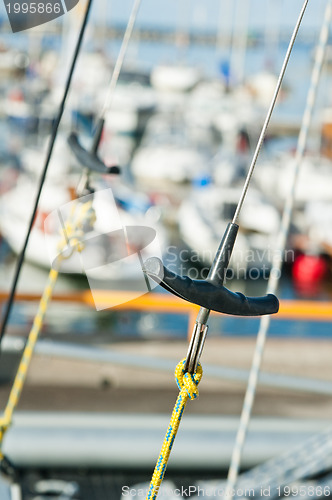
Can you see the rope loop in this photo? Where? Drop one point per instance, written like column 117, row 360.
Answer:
column 187, row 384
column 188, row 381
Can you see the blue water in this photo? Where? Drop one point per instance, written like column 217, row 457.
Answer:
column 273, row 18
column 212, row 15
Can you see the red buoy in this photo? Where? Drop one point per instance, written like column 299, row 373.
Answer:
column 308, row 273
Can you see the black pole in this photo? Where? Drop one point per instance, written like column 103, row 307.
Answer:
column 46, row 165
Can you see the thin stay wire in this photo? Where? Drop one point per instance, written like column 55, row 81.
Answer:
column 120, row 59
column 45, row 169
column 269, row 114
column 100, row 121
column 278, row 256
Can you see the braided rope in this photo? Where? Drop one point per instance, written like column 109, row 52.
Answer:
column 22, row 371
column 187, row 384
column 72, row 231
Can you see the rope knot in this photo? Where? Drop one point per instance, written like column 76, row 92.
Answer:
column 188, row 381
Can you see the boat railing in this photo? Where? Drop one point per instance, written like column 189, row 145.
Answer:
column 159, row 303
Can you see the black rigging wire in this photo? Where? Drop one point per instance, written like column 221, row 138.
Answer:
column 43, row 176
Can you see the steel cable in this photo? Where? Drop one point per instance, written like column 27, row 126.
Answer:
column 277, row 261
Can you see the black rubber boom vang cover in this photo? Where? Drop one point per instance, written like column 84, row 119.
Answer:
column 208, row 294
column 89, row 160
